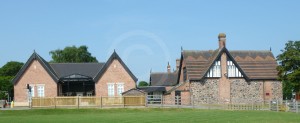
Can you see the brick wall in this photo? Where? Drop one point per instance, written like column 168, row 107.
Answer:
column 115, row 73
column 34, row 75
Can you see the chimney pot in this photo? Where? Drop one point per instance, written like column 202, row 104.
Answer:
column 222, row 40
column 169, row 68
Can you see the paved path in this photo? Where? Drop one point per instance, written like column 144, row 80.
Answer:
column 15, row 108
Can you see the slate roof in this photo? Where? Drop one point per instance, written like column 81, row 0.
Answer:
column 44, row 64
column 149, row 89
column 107, row 64
column 254, row 65
column 163, row 79
column 86, row 69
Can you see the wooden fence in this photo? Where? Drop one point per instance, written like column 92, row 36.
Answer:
column 88, row 101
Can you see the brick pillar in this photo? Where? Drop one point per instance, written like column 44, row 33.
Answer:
column 224, row 85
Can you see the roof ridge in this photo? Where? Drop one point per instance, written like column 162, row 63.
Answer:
column 164, row 73
column 197, row 50
column 81, row 63
column 249, row 50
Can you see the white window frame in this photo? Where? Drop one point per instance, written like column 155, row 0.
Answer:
column 120, row 88
column 41, row 90
column 32, row 90
column 110, row 89
column 215, row 70
column 232, row 70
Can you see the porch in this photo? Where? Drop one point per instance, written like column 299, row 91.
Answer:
column 76, row 85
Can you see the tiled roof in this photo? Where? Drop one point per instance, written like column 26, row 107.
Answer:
column 198, row 62
column 163, row 79
column 254, row 64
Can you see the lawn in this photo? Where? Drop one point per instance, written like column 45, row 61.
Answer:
column 145, row 115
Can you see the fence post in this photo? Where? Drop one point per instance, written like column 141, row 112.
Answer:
column 78, row 102
column 297, row 107
column 146, row 100
column 123, row 101
column 277, row 107
column 55, row 102
column 286, row 106
column 100, row 101
column 162, row 101
column 177, row 101
column 270, row 102
column 192, row 99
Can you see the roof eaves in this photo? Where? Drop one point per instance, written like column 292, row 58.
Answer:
column 34, row 56
column 215, row 56
column 107, row 64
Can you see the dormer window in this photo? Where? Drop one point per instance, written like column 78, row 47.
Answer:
column 215, row 70
column 232, row 70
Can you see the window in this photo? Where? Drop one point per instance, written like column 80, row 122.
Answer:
column 232, row 70
column 215, row 71
column 120, row 88
column 41, row 91
column 32, row 90
column 111, row 89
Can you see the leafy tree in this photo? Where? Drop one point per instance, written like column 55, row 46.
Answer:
column 5, row 86
column 11, row 68
column 72, row 54
column 7, row 73
column 289, row 68
column 143, row 83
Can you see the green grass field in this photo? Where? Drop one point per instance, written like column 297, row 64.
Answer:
column 145, row 115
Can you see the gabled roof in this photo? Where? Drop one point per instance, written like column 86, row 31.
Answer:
column 256, row 64
column 86, row 69
column 68, row 70
column 108, row 63
column 45, row 65
column 197, row 63
column 163, row 79
column 253, row 65
column 134, row 89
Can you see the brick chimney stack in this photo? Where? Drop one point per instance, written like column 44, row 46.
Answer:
column 169, row 68
column 177, row 64
column 222, row 40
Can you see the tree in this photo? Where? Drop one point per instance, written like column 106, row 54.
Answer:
column 72, row 54
column 289, row 68
column 7, row 73
column 5, row 86
column 11, row 68
column 143, row 83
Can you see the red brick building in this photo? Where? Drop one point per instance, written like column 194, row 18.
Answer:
column 45, row 79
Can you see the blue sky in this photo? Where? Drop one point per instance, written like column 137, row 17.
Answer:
column 145, row 33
